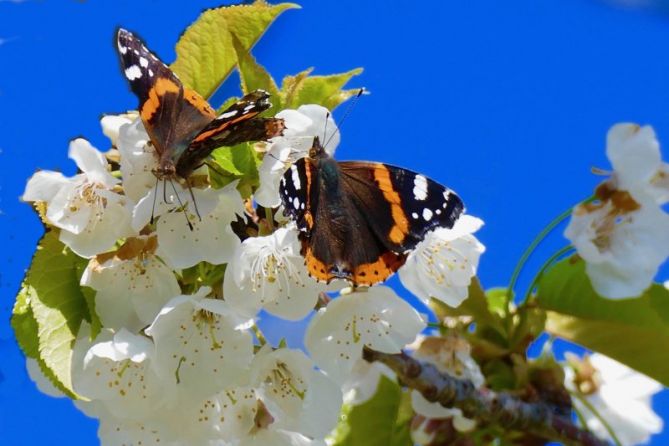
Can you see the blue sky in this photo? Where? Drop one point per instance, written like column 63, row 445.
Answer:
column 508, row 103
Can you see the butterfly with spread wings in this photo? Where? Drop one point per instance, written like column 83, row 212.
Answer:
column 182, row 126
column 359, row 220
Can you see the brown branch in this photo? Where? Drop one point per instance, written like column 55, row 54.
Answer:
column 484, row 404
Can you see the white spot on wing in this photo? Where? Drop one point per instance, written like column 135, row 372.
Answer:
column 414, row 215
column 227, row 115
column 150, row 72
column 427, row 214
column 296, row 177
column 296, row 203
column 420, row 187
column 122, row 49
column 144, row 62
column 447, row 194
column 438, row 212
column 133, row 72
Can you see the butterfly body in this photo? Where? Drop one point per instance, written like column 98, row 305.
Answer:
column 359, row 220
column 183, row 128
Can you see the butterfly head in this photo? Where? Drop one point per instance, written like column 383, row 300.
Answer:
column 317, row 151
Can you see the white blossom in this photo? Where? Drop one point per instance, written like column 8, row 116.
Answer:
column 131, row 287
column 442, row 265
column 201, row 346
column 115, row 370
column 635, row 155
column 376, row 318
column 210, row 239
column 302, row 125
column 620, row 396
column 268, row 272
column 112, row 124
column 622, row 248
column 298, row 397
column 89, row 213
column 450, row 355
column 138, row 158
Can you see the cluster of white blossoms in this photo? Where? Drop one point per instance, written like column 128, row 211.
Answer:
column 623, row 235
column 612, row 399
column 176, row 364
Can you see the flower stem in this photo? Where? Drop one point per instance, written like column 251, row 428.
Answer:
column 259, row 335
column 561, row 252
column 528, row 252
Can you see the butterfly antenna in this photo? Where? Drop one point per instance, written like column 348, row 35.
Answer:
column 192, row 196
column 155, row 195
column 348, row 111
column 325, row 129
column 181, row 205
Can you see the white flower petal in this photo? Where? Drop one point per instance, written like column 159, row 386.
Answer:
column 376, row 318
column 198, row 352
column 111, row 126
column 130, row 293
column 443, row 264
column 91, row 162
column 268, row 272
column 44, row 185
column 211, row 240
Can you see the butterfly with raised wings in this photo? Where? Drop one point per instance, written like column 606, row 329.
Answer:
column 359, row 220
column 184, row 129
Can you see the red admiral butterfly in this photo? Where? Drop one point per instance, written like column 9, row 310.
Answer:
column 359, row 220
column 182, row 126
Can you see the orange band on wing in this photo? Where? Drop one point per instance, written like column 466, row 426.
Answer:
column 223, row 126
column 198, row 102
column 400, row 223
column 371, row 273
column 161, row 88
column 307, row 213
column 315, row 268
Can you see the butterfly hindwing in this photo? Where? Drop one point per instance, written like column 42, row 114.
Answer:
column 237, row 124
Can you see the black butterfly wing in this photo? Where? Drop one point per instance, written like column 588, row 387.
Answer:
column 172, row 114
column 400, row 206
column 337, row 241
column 237, row 124
column 299, row 194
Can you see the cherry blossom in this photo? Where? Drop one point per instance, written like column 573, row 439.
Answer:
column 442, row 265
column 211, row 239
column 201, row 346
column 619, row 395
column 297, row 396
column 302, row 125
column 635, row 155
column 131, row 286
column 374, row 317
column 622, row 242
column 116, row 371
column 268, row 272
column 90, row 214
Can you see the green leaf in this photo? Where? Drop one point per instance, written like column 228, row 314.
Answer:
column 240, row 162
column 632, row 331
column 381, row 421
column 24, row 324
column 58, row 306
column 254, row 76
column 206, row 53
column 323, row 90
column 89, row 294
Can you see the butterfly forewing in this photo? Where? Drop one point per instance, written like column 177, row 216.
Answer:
column 401, row 206
column 172, row 114
column 299, row 194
